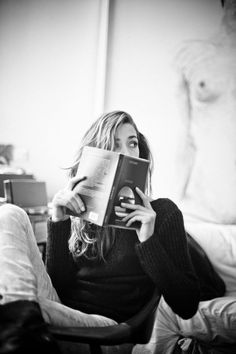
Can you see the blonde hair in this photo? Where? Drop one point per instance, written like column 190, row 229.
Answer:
column 88, row 239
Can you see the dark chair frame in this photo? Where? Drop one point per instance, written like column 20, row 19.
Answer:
column 136, row 330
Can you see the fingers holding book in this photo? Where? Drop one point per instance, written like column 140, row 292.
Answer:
column 144, row 214
column 75, row 181
column 67, row 201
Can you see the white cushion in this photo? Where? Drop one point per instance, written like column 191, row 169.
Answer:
column 219, row 243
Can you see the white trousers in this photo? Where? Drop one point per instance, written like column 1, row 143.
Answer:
column 214, row 320
column 23, row 276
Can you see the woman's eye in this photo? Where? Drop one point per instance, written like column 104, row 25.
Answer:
column 133, row 144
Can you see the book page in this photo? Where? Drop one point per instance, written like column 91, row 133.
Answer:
column 97, row 170
column 99, row 166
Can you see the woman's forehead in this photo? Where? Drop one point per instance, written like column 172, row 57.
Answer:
column 125, row 130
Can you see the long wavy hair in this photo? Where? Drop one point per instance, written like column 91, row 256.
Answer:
column 88, row 239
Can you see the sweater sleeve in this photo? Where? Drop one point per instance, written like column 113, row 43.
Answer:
column 59, row 261
column 165, row 258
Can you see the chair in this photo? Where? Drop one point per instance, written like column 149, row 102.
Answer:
column 31, row 195
column 7, row 176
column 136, row 330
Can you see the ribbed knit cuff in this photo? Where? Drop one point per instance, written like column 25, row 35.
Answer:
column 163, row 208
column 57, row 241
column 57, row 228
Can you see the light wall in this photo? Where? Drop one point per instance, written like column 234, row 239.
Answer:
column 49, row 53
column 142, row 79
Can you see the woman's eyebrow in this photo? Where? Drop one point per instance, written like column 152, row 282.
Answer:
column 129, row 137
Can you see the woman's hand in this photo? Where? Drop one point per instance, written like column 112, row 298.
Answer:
column 67, row 201
column 142, row 213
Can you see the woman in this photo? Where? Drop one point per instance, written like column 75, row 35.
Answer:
column 100, row 275
column 112, row 272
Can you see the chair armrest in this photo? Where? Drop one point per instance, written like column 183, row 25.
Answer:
column 109, row 335
column 135, row 330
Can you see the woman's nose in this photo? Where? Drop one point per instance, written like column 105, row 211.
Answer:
column 124, row 150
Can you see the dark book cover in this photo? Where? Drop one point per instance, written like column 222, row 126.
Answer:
column 111, row 179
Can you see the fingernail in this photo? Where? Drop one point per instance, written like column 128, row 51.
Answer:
column 83, row 208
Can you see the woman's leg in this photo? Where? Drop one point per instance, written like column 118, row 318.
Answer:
column 23, row 274
column 215, row 320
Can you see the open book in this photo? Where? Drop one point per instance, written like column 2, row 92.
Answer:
column 111, row 180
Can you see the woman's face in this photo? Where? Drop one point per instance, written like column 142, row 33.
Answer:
column 126, row 140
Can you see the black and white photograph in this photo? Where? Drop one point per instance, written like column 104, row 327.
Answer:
column 149, row 87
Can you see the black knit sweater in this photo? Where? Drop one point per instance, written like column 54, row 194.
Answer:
column 118, row 287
